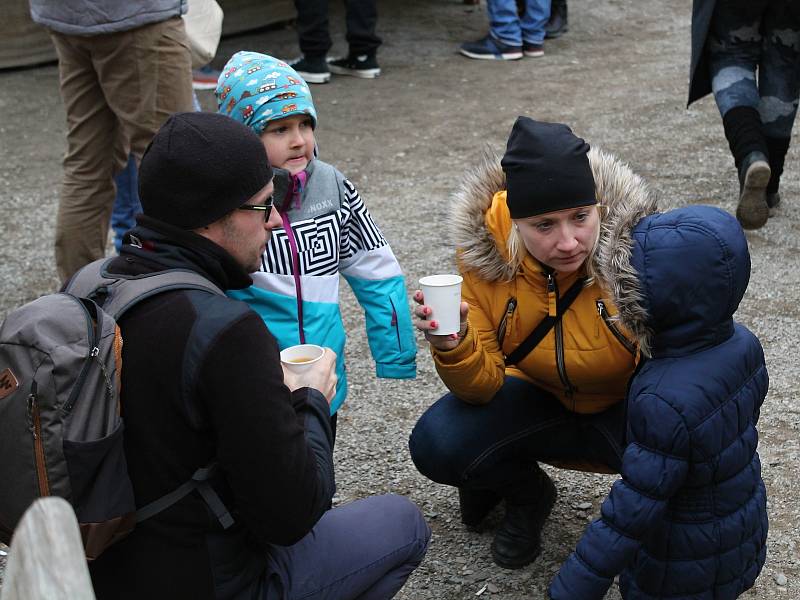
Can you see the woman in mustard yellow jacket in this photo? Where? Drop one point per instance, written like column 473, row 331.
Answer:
column 531, row 232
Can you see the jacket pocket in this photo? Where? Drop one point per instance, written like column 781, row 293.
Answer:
column 613, row 328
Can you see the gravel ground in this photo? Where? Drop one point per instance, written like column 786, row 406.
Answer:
column 619, row 78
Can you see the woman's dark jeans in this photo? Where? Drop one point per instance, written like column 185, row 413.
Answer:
column 490, row 446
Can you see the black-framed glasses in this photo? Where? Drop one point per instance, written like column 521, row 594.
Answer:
column 267, row 208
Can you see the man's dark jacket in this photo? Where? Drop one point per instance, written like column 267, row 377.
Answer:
column 202, row 381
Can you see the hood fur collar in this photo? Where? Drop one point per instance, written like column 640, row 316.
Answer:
column 628, row 199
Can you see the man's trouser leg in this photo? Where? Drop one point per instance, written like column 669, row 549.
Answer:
column 362, row 550
column 504, row 23
column 362, row 19
column 779, row 84
column 119, row 86
column 313, row 27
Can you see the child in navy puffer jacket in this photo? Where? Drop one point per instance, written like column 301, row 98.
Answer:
column 688, row 518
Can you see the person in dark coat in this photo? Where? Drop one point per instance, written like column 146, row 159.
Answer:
column 731, row 41
column 688, row 518
column 202, row 381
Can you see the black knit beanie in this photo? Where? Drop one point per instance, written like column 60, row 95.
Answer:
column 199, row 167
column 547, row 169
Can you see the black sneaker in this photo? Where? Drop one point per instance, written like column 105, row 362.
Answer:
column 357, row 65
column 557, row 25
column 532, row 50
column 488, row 48
column 313, row 69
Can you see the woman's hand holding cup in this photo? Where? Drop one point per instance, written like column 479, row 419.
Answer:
column 427, row 324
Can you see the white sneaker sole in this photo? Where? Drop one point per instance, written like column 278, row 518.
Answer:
column 361, row 73
column 503, row 56
column 198, row 85
column 315, row 77
column 753, row 210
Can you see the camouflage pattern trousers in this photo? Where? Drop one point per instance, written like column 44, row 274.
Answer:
column 757, row 35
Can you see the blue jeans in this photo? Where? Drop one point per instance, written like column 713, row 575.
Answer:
column 126, row 203
column 363, row 550
column 492, row 446
column 746, row 35
column 509, row 28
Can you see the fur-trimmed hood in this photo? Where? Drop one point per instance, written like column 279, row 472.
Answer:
column 481, row 244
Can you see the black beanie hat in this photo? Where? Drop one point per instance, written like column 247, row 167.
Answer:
column 199, row 167
column 547, row 169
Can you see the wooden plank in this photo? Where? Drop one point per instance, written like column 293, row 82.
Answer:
column 24, row 43
column 46, row 557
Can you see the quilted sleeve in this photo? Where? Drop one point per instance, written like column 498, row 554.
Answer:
column 654, row 466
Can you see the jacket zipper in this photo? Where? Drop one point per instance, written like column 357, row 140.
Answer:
column 38, row 445
column 601, row 310
column 92, row 336
column 511, row 306
column 552, row 296
column 287, row 227
column 395, row 325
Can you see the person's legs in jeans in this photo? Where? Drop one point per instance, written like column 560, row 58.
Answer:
column 361, row 20
column 487, row 446
column 734, row 50
column 533, row 22
column 362, row 550
column 491, row 451
column 504, row 22
column 779, row 85
column 126, row 204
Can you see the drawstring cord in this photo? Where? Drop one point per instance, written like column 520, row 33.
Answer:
column 293, row 196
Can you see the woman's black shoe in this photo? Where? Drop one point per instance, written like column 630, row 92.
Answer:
column 475, row 505
column 557, row 25
column 518, row 541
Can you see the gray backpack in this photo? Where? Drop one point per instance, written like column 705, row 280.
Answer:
column 60, row 425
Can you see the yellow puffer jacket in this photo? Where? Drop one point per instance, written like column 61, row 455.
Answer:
column 586, row 359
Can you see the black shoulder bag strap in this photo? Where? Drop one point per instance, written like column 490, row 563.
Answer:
column 537, row 335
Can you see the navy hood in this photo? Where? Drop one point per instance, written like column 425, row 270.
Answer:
column 680, row 281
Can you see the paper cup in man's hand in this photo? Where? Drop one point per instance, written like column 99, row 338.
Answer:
column 300, row 358
column 443, row 296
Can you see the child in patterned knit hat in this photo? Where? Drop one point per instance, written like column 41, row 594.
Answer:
column 327, row 229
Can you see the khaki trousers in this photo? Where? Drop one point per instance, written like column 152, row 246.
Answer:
column 117, row 89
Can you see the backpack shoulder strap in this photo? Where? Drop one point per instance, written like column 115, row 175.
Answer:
column 200, row 481
column 116, row 293
column 546, row 324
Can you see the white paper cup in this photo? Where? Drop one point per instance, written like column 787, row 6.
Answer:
column 300, row 358
column 443, row 296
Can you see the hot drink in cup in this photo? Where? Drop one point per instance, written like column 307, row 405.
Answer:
column 299, row 358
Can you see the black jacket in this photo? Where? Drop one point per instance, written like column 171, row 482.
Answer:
column 186, row 404
column 699, row 76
